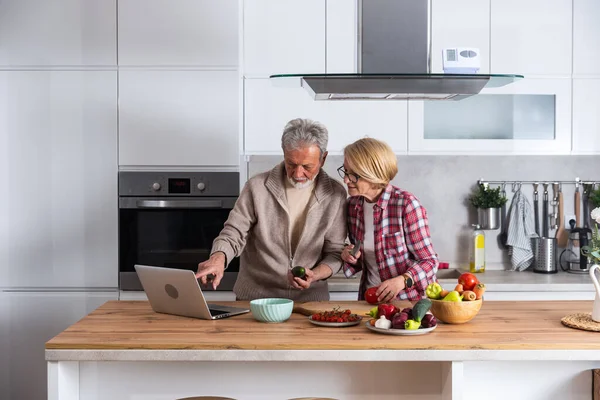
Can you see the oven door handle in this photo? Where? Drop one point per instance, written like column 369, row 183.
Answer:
column 179, row 204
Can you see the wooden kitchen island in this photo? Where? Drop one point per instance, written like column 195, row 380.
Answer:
column 517, row 350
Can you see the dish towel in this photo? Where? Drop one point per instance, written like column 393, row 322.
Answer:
column 521, row 229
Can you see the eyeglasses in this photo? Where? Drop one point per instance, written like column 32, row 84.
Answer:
column 351, row 176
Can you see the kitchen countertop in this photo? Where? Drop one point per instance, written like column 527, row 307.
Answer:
column 495, row 281
column 130, row 330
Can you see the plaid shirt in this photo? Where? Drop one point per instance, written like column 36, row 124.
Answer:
column 402, row 240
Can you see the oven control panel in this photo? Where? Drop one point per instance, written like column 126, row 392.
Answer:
column 143, row 183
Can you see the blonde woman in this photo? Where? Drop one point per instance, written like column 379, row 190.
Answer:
column 396, row 252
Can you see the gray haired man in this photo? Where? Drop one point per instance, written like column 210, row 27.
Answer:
column 292, row 215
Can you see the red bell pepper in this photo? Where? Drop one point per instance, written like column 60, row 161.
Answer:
column 387, row 310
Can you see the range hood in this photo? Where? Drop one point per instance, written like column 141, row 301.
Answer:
column 394, row 60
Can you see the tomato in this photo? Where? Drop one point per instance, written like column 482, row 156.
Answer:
column 468, row 281
column 371, row 295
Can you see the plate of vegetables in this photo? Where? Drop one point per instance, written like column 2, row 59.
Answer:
column 335, row 319
column 389, row 320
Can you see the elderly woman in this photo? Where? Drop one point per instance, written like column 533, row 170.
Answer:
column 396, row 253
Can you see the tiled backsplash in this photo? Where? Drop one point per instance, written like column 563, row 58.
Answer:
column 442, row 183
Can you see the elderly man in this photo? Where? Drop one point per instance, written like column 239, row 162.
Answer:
column 293, row 215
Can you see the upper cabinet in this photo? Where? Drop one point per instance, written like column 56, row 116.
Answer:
column 185, row 118
column 178, row 33
column 531, row 116
column 284, row 36
column 58, row 33
column 586, row 37
column 58, row 133
column 460, row 23
column 532, row 37
column 586, row 119
column 342, row 33
column 269, row 108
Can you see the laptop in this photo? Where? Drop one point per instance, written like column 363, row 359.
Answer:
column 177, row 292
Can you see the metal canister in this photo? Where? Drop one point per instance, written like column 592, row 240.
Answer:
column 544, row 255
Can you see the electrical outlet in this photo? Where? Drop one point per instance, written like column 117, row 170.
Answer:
column 567, row 219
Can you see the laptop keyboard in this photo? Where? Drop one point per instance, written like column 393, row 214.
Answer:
column 214, row 312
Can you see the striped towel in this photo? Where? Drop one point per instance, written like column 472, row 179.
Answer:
column 521, row 229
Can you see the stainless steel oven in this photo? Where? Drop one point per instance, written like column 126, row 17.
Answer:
column 170, row 219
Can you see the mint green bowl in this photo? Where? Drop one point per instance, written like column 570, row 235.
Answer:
column 271, row 310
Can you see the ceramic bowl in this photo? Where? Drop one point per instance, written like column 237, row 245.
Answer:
column 271, row 310
column 455, row 312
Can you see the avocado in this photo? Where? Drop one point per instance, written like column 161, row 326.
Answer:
column 299, row 272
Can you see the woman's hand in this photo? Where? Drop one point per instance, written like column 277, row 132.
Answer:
column 389, row 289
column 348, row 257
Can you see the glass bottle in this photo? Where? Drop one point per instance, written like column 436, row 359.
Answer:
column 477, row 255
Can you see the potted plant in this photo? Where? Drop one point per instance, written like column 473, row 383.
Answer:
column 488, row 202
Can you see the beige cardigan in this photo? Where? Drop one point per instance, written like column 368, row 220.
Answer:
column 257, row 231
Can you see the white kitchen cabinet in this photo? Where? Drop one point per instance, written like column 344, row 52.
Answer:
column 538, row 123
column 268, row 108
column 586, row 118
column 58, row 165
column 586, row 37
column 284, row 37
column 58, row 33
column 460, row 23
column 28, row 321
column 178, row 118
column 531, row 37
column 178, row 33
column 342, row 31
column 538, row 296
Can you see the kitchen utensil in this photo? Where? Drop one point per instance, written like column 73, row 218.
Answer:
column 455, row 312
column 356, row 248
column 544, row 255
column 271, row 310
column 586, row 205
column 503, row 236
column 545, row 212
column 555, row 191
column 577, row 210
column 536, row 212
column 562, row 236
column 571, row 259
column 400, row 332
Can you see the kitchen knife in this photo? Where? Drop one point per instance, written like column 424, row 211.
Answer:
column 356, row 247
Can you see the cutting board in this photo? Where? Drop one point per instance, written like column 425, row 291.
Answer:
column 360, row 308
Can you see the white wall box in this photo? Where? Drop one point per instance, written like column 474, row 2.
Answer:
column 178, row 33
column 269, row 108
column 460, row 23
column 183, row 118
column 58, row 144
column 58, row 33
column 531, row 37
column 29, row 320
column 586, row 37
column 586, row 116
column 538, row 123
column 284, row 36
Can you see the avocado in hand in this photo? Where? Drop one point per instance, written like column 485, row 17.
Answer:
column 299, row 272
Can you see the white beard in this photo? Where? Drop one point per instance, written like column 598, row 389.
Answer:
column 303, row 184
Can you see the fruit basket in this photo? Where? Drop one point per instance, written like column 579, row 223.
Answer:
column 455, row 312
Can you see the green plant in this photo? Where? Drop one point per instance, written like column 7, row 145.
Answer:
column 486, row 197
column 593, row 250
column 595, row 197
